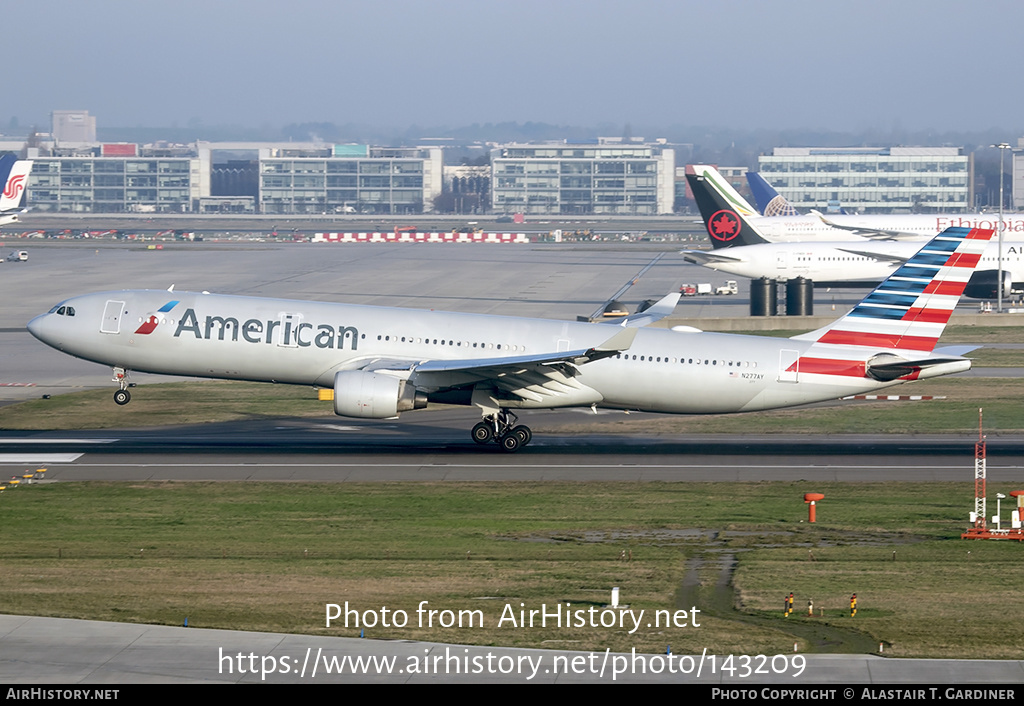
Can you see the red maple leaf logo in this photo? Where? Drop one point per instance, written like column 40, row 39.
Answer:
column 724, row 225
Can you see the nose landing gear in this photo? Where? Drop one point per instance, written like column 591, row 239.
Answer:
column 121, row 396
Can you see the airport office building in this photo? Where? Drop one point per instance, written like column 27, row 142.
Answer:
column 605, row 178
column 609, row 177
column 871, row 179
column 297, row 178
column 289, row 178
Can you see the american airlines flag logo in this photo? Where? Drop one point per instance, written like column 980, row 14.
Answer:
column 150, row 324
column 15, row 186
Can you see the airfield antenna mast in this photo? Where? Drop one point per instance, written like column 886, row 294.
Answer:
column 979, row 479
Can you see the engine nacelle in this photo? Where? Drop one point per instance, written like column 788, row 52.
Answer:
column 358, row 393
column 984, row 285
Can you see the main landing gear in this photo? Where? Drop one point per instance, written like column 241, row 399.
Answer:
column 502, row 429
column 122, row 396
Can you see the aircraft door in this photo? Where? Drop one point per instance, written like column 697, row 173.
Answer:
column 789, row 365
column 112, row 313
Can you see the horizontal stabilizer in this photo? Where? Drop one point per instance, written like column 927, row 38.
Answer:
column 886, row 367
column 705, row 257
column 957, row 351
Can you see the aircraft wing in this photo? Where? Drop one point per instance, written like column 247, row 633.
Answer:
column 704, row 257
column 871, row 233
column 881, row 257
column 657, row 311
column 531, row 377
column 599, row 312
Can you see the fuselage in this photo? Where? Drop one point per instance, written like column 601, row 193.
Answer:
column 307, row 343
column 812, row 227
column 839, row 263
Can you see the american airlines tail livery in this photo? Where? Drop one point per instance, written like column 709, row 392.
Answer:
column 383, row 361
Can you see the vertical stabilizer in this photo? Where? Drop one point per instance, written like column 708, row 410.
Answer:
column 727, row 215
column 15, row 183
column 769, row 201
column 892, row 333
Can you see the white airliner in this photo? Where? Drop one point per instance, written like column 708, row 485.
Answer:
column 916, row 227
column 741, row 249
column 14, row 174
column 383, row 361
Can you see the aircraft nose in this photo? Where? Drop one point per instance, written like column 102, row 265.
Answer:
column 35, row 325
column 41, row 328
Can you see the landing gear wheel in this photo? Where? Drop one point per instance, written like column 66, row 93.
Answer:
column 510, row 443
column 524, row 434
column 122, row 397
column 482, row 433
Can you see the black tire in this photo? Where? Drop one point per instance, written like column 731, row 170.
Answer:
column 510, row 443
column 524, row 434
column 122, row 397
column 482, row 433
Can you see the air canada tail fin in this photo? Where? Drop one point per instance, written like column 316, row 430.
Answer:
column 893, row 332
column 727, row 215
column 14, row 179
column 769, row 201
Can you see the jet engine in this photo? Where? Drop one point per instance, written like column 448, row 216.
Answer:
column 983, row 285
column 358, row 393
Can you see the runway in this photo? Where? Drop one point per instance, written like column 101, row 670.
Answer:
column 435, row 446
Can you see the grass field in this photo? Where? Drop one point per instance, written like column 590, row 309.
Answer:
column 270, row 556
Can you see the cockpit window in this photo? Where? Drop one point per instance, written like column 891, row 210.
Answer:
column 62, row 310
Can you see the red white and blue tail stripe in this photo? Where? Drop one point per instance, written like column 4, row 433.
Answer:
column 905, row 315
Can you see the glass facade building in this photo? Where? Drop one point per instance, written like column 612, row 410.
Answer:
column 871, row 180
column 606, row 178
column 113, row 185
column 372, row 180
column 382, row 181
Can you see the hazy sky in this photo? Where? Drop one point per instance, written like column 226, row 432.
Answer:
column 913, row 64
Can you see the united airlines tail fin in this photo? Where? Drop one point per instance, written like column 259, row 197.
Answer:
column 769, row 201
column 893, row 332
column 14, row 178
column 727, row 215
